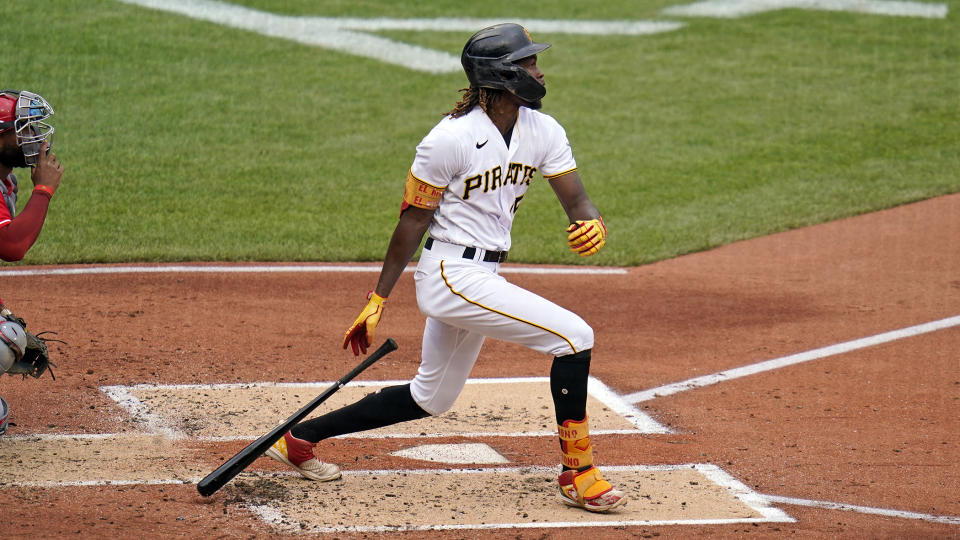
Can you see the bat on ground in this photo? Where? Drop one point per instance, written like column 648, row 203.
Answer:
column 232, row 467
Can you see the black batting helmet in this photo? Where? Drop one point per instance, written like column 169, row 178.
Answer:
column 489, row 60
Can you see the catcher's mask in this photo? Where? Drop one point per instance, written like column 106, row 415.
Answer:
column 490, row 61
column 14, row 342
column 25, row 113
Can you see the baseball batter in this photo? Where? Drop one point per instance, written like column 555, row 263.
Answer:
column 465, row 186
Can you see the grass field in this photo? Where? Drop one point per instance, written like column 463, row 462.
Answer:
column 190, row 140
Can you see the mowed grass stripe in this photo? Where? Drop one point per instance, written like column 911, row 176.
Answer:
column 186, row 140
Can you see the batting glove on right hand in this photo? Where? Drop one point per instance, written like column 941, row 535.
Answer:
column 586, row 237
column 360, row 335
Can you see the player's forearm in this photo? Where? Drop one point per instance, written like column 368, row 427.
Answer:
column 17, row 237
column 403, row 244
column 583, row 210
column 573, row 197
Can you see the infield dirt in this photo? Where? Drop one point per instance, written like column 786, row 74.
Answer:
column 876, row 427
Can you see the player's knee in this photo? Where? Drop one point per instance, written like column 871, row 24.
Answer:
column 436, row 407
column 433, row 402
column 586, row 337
column 581, row 357
column 579, row 337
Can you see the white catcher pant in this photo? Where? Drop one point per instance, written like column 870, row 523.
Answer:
column 466, row 301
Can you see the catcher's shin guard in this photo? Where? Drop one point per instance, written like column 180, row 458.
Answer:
column 4, row 415
column 583, row 485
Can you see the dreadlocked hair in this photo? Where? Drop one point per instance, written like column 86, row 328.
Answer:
column 472, row 97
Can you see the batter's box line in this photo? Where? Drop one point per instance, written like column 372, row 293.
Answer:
column 154, row 423
column 452, row 435
column 140, row 412
column 713, row 473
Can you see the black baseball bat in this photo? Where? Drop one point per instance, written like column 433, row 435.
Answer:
column 224, row 473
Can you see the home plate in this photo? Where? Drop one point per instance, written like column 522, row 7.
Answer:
column 470, row 453
column 507, row 498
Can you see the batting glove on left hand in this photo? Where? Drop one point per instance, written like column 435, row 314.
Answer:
column 360, row 334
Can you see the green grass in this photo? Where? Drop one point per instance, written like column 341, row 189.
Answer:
column 185, row 140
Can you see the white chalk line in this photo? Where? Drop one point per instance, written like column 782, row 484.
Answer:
column 758, row 501
column 951, row 520
column 350, row 35
column 742, row 8
column 274, row 515
column 139, row 412
column 777, row 363
column 458, row 434
column 270, row 269
column 156, row 424
column 172, row 435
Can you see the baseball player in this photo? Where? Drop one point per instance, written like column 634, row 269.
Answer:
column 463, row 190
column 25, row 140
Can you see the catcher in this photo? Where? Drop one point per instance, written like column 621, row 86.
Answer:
column 25, row 141
column 21, row 353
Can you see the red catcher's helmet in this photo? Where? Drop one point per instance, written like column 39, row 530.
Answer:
column 8, row 111
column 25, row 112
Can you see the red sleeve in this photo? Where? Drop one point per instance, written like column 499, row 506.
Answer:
column 19, row 235
column 5, row 216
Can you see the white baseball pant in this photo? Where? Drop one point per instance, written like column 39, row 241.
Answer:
column 465, row 301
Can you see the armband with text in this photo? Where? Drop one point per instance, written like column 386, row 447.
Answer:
column 421, row 194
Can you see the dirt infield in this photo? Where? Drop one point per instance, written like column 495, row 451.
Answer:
column 842, row 419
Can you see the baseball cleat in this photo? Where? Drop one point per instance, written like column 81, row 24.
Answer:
column 588, row 490
column 298, row 454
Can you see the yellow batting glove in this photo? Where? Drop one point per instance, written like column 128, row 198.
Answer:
column 586, row 237
column 360, row 334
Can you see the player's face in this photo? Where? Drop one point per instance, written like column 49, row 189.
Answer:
column 11, row 155
column 530, row 64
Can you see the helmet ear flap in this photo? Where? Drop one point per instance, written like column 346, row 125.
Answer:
column 489, row 60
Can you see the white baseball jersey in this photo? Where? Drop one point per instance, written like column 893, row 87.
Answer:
column 482, row 179
column 473, row 181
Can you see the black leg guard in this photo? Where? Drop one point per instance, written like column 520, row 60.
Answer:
column 568, row 385
column 384, row 407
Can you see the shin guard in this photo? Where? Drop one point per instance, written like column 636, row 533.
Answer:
column 576, row 450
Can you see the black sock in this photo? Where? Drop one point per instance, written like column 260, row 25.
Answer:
column 384, row 407
column 568, row 386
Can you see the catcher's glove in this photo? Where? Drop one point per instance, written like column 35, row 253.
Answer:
column 33, row 358
column 36, row 357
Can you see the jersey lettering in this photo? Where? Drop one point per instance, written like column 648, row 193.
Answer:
column 513, row 173
column 493, row 178
column 528, row 173
column 471, row 184
column 516, row 204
